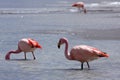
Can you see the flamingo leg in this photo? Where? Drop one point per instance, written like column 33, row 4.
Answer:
column 33, row 55
column 84, row 10
column 88, row 65
column 25, row 55
column 82, row 66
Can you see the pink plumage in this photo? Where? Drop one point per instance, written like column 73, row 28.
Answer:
column 82, row 53
column 80, row 5
column 25, row 45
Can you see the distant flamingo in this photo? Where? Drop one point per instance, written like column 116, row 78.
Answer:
column 82, row 53
column 25, row 45
column 80, row 5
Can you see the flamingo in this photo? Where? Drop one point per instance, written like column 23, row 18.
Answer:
column 25, row 45
column 82, row 53
column 79, row 5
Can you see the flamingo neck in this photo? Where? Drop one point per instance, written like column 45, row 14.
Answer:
column 7, row 57
column 67, row 54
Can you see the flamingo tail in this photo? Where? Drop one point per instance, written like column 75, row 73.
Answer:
column 104, row 54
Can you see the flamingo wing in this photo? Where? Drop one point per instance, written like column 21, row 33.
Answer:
column 34, row 43
column 98, row 52
column 85, row 53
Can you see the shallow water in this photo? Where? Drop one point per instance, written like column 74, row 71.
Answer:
column 98, row 29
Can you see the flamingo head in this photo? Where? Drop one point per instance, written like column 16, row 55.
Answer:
column 62, row 41
column 7, row 57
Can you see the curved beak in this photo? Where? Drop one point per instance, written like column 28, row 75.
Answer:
column 58, row 45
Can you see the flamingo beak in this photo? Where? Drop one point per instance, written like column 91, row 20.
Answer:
column 58, row 45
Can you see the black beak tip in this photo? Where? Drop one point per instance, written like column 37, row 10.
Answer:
column 59, row 46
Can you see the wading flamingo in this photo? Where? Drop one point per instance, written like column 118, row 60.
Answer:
column 25, row 45
column 82, row 53
column 80, row 5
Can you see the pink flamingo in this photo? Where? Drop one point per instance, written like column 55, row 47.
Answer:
column 79, row 5
column 82, row 53
column 25, row 45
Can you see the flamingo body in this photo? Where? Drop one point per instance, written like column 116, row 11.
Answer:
column 28, row 45
column 79, row 5
column 82, row 53
column 24, row 45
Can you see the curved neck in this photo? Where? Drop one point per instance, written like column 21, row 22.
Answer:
column 7, row 57
column 67, row 54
